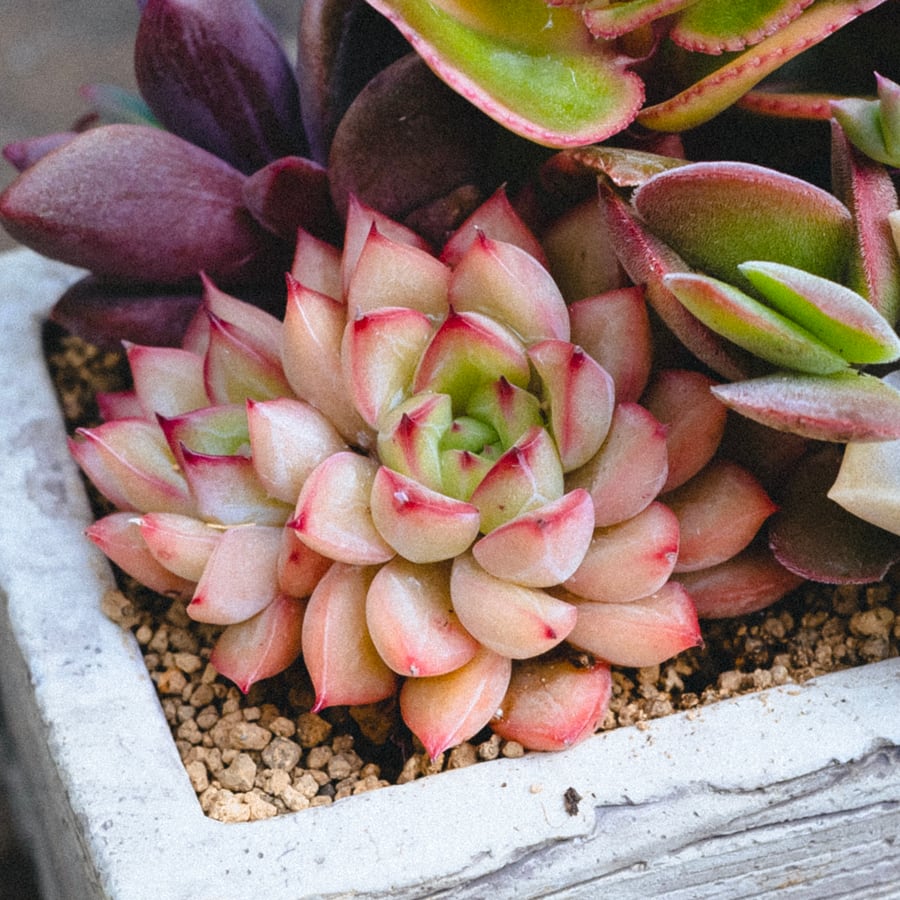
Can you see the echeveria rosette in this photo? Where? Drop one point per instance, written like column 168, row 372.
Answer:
column 791, row 294
column 422, row 483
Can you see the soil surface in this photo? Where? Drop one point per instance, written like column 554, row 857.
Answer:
column 263, row 754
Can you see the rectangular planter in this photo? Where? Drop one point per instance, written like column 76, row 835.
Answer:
column 794, row 791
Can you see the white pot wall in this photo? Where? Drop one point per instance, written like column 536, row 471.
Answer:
column 794, row 792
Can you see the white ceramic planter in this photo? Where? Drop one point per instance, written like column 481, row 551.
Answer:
column 794, row 791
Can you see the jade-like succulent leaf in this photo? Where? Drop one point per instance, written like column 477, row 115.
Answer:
column 753, row 325
column 713, row 26
column 553, row 704
column 837, row 316
column 718, row 214
column 710, row 95
column 534, row 69
column 814, row 537
column 846, row 406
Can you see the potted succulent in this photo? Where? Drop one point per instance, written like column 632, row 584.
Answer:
column 531, row 420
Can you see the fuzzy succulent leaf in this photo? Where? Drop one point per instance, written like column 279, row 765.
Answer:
column 753, row 325
column 868, row 191
column 836, row 315
column 647, row 259
column 873, row 126
column 716, row 215
column 846, row 406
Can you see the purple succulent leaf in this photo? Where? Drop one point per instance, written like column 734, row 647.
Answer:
column 867, row 190
column 291, row 193
column 814, row 537
column 108, row 313
column 342, row 45
column 408, row 141
column 707, row 97
column 135, row 203
column 214, row 73
column 25, row 153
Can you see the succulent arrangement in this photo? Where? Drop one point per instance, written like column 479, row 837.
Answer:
column 541, row 394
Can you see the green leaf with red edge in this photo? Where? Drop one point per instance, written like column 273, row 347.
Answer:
column 718, row 90
column 716, row 215
column 612, row 20
column 534, row 69
column 814, row 537
column 753, row 325
column 714, row 26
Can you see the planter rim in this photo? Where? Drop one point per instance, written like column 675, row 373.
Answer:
column 98, row 712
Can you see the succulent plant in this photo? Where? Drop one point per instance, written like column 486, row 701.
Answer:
column 598, row 61
column 236, row 150
column 475, row 479
column 790, row 294
column 432, row 479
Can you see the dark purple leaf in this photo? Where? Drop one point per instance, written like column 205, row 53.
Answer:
column 814, row 537
column 407, row 142
column 133, row 202
column 214, row 72
column 107, row 314
column 24, row 154
column 342, row 44
column 292, row 193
